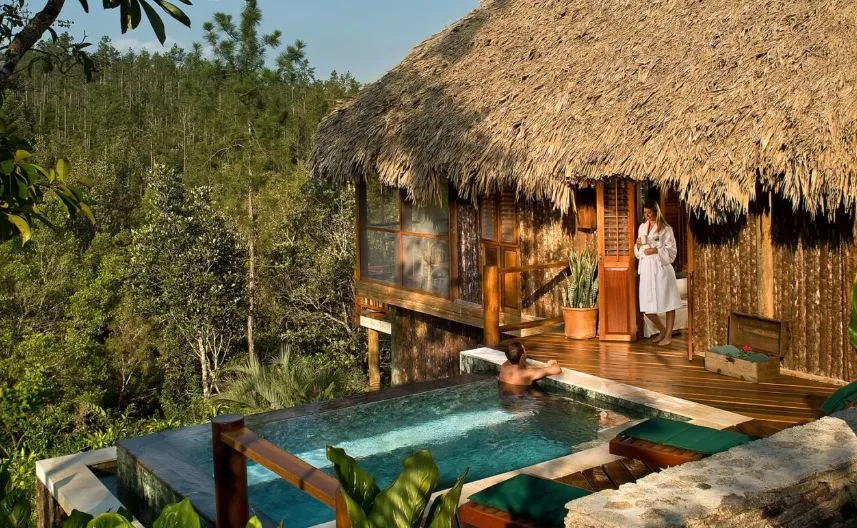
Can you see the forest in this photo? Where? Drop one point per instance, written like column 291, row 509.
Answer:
column 216, row 275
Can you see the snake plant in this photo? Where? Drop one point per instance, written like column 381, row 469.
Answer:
column 581, row 284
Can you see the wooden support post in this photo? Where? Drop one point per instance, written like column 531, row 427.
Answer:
column 691, row 268
column 765, row 269
column 232, row 508
column 690, row 316
column 374, row 358
column 491, row 305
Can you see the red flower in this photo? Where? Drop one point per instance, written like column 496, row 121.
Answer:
column 746, row 349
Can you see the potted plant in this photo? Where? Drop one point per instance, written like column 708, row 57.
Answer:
column 579, row 295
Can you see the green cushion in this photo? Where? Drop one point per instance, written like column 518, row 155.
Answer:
column 839, row 399
column 533, row 498
column 684, row 435
column 733, row 351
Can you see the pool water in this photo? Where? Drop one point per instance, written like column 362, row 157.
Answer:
column 471, row 425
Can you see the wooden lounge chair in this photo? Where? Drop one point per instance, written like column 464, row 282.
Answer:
column 606, row 476
column 522, row 501
column 667, row 442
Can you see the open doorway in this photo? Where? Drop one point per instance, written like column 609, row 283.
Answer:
column 675, row 213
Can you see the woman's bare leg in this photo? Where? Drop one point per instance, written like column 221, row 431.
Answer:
column 668, row 336
column 657, row 321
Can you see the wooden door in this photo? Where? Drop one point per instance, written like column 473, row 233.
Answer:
column 499, row 234
column 617, row 266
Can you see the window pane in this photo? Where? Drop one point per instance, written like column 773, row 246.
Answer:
column 382, row 205
column 379, row 256
column 427, row 264
column 431, row 218
column 487, row 217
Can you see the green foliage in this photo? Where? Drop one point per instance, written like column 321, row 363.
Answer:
column 581, row 284
column 402, row 504
column 289, row 380
column 24, row 184
column 14, row 504
column 187, row 272
column 179, row 515
column 94, row 340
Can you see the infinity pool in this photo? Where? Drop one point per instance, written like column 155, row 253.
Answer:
column 469, row 425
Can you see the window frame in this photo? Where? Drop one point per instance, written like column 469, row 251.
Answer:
column 363, row 227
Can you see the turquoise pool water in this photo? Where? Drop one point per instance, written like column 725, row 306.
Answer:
column 466, row 426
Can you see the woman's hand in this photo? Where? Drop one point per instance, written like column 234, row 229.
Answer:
column 650, row 251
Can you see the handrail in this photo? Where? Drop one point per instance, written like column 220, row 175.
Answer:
column 536, row 267
column 290, row 468
column 492, row 278
column 233, row 444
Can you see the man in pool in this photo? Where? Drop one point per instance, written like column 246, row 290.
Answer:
column 516, row 371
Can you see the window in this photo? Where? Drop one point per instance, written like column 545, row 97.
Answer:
column 405, row 244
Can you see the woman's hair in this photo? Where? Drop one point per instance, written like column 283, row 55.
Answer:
column 652, row 205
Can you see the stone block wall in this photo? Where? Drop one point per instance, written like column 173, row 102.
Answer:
column 805, row 476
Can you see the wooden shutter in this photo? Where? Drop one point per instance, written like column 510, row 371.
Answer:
column 508, row 218
column 617, row 270
column 616, row 215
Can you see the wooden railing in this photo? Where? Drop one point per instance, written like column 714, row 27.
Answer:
column 492, row 280
column 233, row 444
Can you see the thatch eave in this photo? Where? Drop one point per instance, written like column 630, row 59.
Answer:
column 714, row 99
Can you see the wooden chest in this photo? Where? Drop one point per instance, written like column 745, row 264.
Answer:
column 766, row 337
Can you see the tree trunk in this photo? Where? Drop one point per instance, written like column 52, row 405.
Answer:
column 27, row 38
column 203, row 363
column 251, row 279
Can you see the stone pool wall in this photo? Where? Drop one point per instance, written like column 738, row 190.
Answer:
column 804, row 476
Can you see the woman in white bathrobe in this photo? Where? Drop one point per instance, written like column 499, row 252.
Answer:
column 656, row 249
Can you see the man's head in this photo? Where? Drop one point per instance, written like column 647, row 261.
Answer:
column 515, row 352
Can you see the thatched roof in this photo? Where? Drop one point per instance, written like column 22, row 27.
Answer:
column 710, row 97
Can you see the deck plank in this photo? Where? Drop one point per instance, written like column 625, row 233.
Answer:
column 780, row 402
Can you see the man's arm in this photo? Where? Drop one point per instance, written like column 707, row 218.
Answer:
column 551, row 368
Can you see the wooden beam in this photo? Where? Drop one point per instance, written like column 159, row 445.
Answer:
column 691, row 268
column 531, row 324
column 765, row 269
column 491, row 302
column 537, row 267
column 374, row 359
column 290, row 468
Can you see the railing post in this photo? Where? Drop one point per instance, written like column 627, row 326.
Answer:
column 491, row 305
column 374, row 345
column 230, row 475
column 342, row 520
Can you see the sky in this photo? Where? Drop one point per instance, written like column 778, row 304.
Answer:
column 365, row 37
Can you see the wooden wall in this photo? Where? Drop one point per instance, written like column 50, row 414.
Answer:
column 546, row 236
column 813, row 263
column 469, row 252
column 426, row 347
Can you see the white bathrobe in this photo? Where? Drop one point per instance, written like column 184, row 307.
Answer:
column 658, row 288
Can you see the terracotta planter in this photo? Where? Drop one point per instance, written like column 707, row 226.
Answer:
column 579, row 322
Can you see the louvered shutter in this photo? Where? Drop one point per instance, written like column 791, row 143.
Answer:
column 617, row 284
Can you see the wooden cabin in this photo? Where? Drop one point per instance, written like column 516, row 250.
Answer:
column 533, row 126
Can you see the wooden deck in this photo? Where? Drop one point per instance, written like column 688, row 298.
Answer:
column 780, row 403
